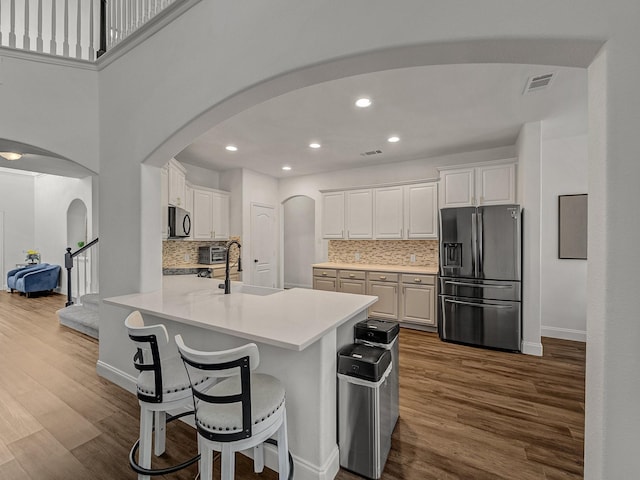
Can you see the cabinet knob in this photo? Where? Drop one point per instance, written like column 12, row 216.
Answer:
column 324, row 274
column 351, row 275
column 417, row 280
column 383, row 277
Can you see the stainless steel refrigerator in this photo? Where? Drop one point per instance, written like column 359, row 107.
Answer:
column 480, row 280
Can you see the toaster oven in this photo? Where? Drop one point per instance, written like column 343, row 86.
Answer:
column 211, row 255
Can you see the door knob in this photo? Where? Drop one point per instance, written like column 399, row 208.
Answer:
column 255, row 260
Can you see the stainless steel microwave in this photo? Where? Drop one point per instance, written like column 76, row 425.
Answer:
column 211, row 255
column 179, row 222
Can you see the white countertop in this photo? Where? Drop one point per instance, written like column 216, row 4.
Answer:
column 423, row 269
column 291, row 319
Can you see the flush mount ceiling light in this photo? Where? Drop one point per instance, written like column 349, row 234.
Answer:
column 314, row 145
column 231, row 148
column 286, row 167
column 393, row 139
column 363, row 102
column 11, row 155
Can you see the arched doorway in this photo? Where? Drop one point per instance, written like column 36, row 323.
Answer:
column 299, row 241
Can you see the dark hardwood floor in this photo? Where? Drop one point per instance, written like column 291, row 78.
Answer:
column 465, row 413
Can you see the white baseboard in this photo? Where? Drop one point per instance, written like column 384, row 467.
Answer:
column 564, row 333
column 296, row 285
column 303, row 470
column 532, row 348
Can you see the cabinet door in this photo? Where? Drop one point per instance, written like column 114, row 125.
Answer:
column 202, row 215
column 457, row 188
column 351, row 286
column 220, row 216
column 418, row 304
column 360, row 213
column 387, row 304
column 164, row 202
column 177, row 185
column 387, row 211
column 421, row 210
column 323, row 283
column 333, row 215
column 496, row 184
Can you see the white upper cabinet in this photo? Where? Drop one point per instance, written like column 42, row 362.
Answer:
column 387, row 212
column 493, row 184
column 421, row 211
column 333, row 215
column 164, row 202
column 359, row 214
column 210, row 217
column 177, row 184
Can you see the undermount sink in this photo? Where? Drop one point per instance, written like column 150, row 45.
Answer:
column 252, row 289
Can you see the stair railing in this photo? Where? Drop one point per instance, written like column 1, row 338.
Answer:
column 86, row 259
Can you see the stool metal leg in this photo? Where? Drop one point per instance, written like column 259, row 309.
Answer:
column 258, row 458
column 283, row 448
column 146, row 428
column 160, row 432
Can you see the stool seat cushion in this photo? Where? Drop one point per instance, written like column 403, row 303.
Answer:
column 267, row 396
column 174, row 378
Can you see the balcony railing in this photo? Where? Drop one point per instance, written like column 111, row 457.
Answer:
column 80, row 29
column 85, row 262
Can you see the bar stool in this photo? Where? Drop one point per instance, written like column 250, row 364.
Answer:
column 239, row 412
column 162, row 385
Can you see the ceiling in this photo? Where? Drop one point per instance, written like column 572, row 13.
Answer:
column 435, row 110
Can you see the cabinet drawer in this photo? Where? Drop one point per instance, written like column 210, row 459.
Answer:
column 419, row 279
column 324, row 272
column 383, row 276
column 352, row 274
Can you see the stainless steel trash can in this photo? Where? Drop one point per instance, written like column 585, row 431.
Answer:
column 364, row 413
column 384, row 334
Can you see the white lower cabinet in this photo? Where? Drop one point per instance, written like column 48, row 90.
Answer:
column 352, row 281
column 417, row 299
column 324, row 279
column 385, row 287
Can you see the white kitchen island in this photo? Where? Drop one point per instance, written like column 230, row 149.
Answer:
column 298, row 333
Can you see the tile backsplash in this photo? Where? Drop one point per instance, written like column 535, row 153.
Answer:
column 384, row 252
column 174, row 251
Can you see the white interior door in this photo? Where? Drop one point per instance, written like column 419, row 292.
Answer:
column 263, row 245
column 4, row 276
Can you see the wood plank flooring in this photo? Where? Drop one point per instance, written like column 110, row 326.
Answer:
column 465, row 413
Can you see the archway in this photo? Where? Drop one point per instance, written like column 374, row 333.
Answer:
column 298, row 227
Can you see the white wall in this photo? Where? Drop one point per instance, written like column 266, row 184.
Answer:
column 17, row 202
column 564, row 171
column 231, row 181
column 528, row 192
column 203, row 177
column 53, row 195
column 298, row 251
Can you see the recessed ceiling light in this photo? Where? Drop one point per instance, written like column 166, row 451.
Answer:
column 315, row 145
column 11, row 155
column 393, row 139
column 286, row 167
column 231, row 148
column 363, row 102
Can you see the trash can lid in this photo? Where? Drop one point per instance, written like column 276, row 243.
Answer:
column 377, row 331
column 363, row 361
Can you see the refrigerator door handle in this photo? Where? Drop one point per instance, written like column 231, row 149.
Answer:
column 474, row 246
column 479, row 305
column 480, row 234
column 480, row 285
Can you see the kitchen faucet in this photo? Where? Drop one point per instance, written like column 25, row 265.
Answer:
column 227, row 280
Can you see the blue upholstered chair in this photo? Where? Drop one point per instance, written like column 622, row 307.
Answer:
column 13, row 275
column 40, row 280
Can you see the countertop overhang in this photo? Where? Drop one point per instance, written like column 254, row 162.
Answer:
column 291, row 319
column 413, row 269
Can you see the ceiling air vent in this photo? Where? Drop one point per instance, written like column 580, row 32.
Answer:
column 538, row 82
column 371, row 152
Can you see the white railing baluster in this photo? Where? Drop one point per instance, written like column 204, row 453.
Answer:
column 92, row 52
column 39, row 42
column 65, row 40
column 79, row 31
column 53, row 46
column 26, row 41
column 12, row 19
